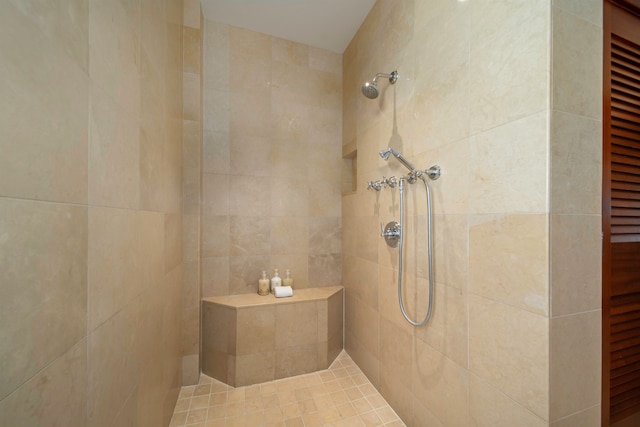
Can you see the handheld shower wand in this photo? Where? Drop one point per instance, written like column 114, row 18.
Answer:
column 433, row 172
column 385, row 155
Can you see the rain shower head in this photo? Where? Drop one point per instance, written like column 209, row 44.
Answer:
column 370, row 89
column 385, row 155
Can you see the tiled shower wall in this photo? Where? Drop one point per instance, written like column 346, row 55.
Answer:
column 271, row 161
column 191, row 189
column 505, row 97
column 90, row 212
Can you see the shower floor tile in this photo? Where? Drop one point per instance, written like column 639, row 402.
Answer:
column 340, row 396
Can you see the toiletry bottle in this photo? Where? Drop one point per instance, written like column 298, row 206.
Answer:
column 276, row 280
column 263, row 284
column 287, row 280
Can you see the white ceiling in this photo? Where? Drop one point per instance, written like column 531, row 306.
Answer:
column 328, row 24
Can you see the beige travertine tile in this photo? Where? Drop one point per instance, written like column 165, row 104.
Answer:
column 191, row 16
column 325, row 235
column 249, row 154
column 44, row 254
column 216, row 152
column 216, row 111
column 576, row 253
column 191, row 83
column 325, row 128
column 509, row 260
column 216, row 194
column 576, row 160
column 111, row 369
column 215, row 276
column 216, row 45
column 367, row 238
column 395, row 360
column 575, row 346
column 506, row 343
column 508, row 173
column 55, row 395
column 509, row 66
column 324, row 60
column 114, row 154
column 297, row 264
column 216, row 235
column 399, row 397
column 191, row 42
column 489, row 407
column 249, row 196
column 451, row 246
column 151, row 155
column 254, row 105
column 256, row 330
column 577, row 58
column 289, row 197
column 44, row 124
column 289, row 52
column 113, row 262
column 324, row 270
column 297, row 324
column 288, row 236
column 249, row 235
column 327, row 166
column 588, row 418
column 440, row 384
column 448, row 328
column 172, row 241
column 387, row 297
column 244, row 272
column 296, row 360
column 363, row 322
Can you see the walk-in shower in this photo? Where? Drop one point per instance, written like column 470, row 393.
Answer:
column 393, row 232
column 370, row 89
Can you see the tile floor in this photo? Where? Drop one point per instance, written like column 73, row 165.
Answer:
column 340, row 396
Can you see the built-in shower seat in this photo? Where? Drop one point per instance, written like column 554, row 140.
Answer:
column 249, row 339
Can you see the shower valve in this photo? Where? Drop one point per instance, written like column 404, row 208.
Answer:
column 391, row 182
column 374, row 185
column 391, row 233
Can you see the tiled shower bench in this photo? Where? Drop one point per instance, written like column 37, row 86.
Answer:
column 249, row 339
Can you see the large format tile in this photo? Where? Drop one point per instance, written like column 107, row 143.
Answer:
column 45, row 89
column 509, row 260
column 55, row 396
column 506, row 343
column 43, row 297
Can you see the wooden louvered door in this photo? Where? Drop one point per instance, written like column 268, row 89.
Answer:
column 621, row 212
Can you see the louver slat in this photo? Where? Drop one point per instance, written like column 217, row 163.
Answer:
column 624, row 332
column 625, row 143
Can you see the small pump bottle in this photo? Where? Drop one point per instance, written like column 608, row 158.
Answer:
column 276, row 280
column 263, row 284
column 287, row 280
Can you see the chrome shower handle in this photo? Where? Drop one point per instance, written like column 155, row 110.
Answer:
column 391, row 233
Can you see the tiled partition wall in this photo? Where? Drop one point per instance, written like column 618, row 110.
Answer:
column 505, row 97
column 191, row 188
column 271, row 161
column 90, row 212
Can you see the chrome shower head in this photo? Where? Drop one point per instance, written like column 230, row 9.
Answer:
column 370, row 89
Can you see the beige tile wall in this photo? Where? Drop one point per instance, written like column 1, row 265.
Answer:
column 575, row 214
column 90, row 213
column 271, row 161
column 191, row 187
column 505, row 97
